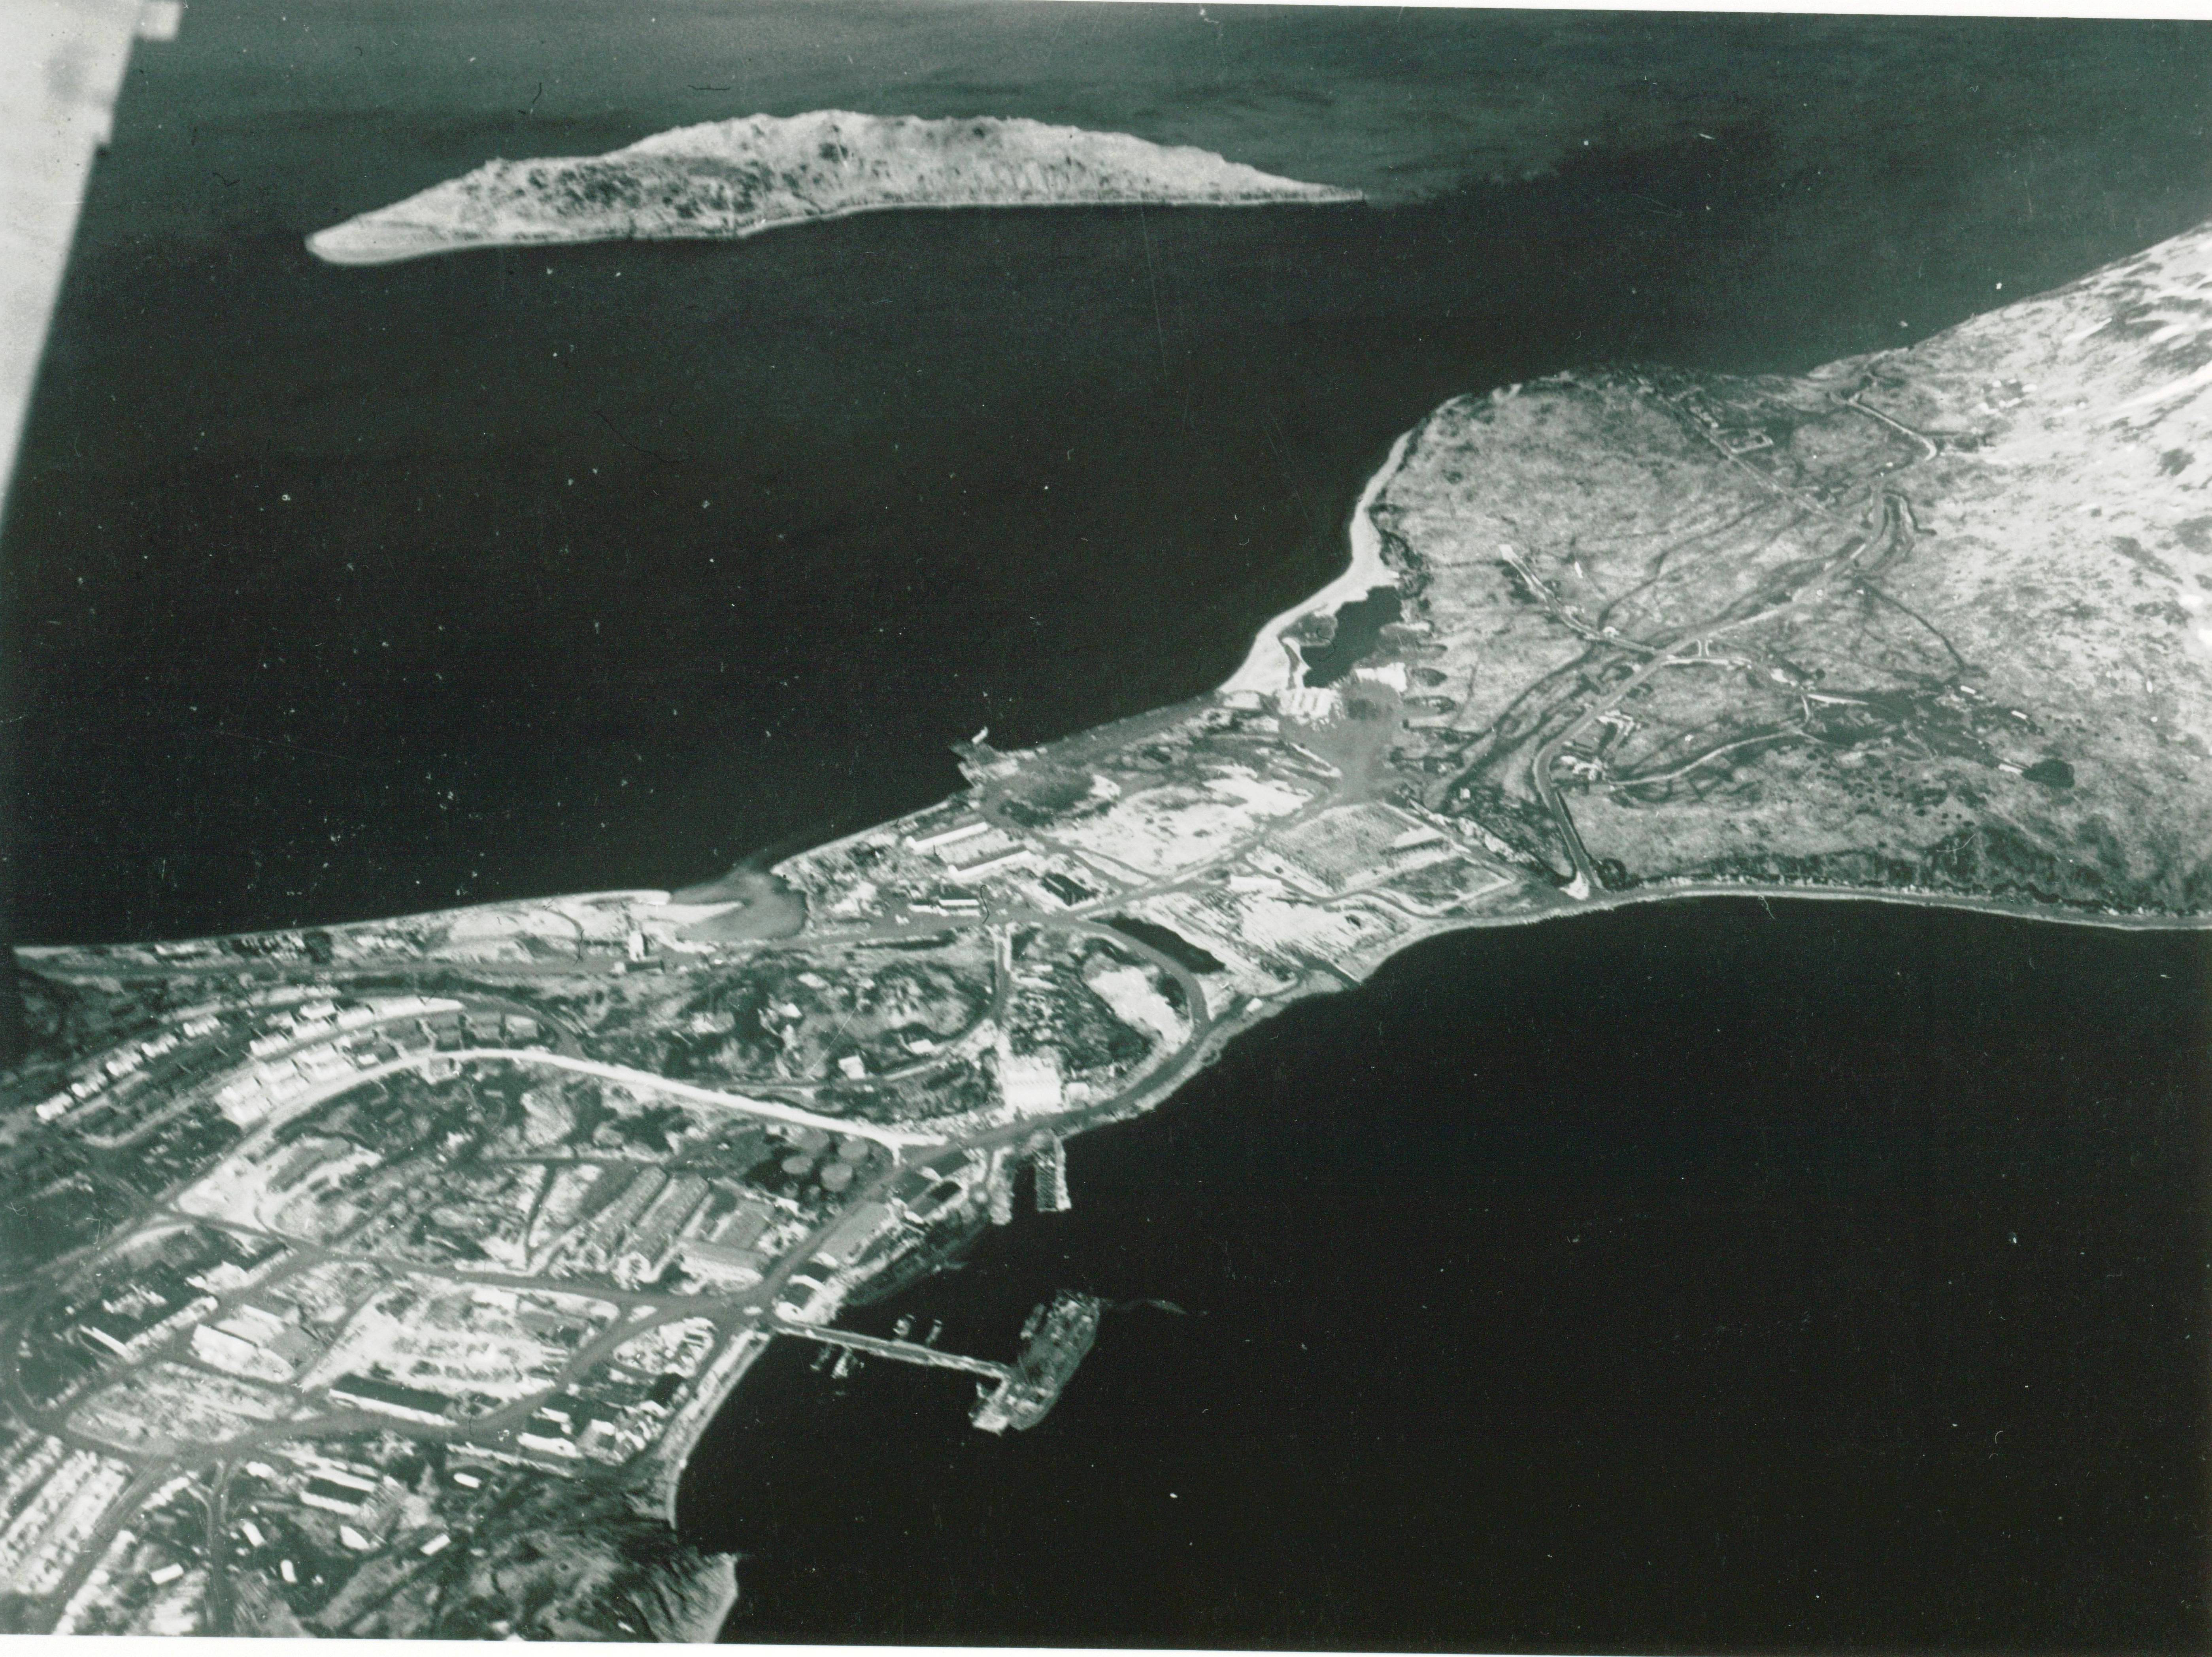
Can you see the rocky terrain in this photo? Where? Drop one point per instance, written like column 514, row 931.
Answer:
column 1934, row 620
column 728, row 179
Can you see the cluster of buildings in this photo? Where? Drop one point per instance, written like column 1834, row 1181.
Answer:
column 952, row 862
column 324, row 1041
column 608, row 1423
column 1196, row 833
column 874, row 1237
column 620, row 1407
column 635, row 1236
column 1094, row 822
column 253, row 1342
column 142, row 1300
column 122, row 1093
column 52, row 1499
column 391, row 1397
column 317, row 1535
column 430, row 1349
column 703, row 1215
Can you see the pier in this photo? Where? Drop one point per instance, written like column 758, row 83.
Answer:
column 901, row 1351
column 1020, row 1394
column 1049, row 1160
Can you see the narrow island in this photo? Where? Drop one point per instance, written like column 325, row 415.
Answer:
column 724, row 180
column 377, row 1279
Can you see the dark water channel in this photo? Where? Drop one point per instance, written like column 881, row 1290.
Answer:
column 1693, row 1278
column 335, row 592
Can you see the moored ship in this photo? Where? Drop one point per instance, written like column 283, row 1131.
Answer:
column 1053, row 1341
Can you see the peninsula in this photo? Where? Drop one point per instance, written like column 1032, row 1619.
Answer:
column 376, row 1279
column 724, row 180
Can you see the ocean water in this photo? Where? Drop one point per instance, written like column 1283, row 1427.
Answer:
column 339, row 592
column 1710, row 1277
column 1649, row 1280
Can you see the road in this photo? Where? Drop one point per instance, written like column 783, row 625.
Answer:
column 742, row 1316
column 1693, row 646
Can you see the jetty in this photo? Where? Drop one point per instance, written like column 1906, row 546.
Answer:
column 1020, row 1395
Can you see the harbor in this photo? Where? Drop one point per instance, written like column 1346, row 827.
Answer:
column 1017, row 1395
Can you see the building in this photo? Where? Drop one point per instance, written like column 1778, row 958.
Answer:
column 948, row 837
column 972, row 850
column 854, row 1233
column 807, row 1300
column 1308, row 705
column 558, row 1424
column 389, row 1398
column 338, row 1492
column 232, row 1354
column 322, row 1064
column 295, row 1346
column 106, row 1329
column 1030, row 1082
column 742, row 1265
column 1020, row 857
column 647, row 1249
column 922, row 1193
column 1068, row 891
column 600, row 1233
column 244, row 1102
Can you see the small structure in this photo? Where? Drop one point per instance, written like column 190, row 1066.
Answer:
column 1049, row 1161
column 389, row 1398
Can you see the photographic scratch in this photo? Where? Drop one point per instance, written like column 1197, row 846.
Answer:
column 651, row 454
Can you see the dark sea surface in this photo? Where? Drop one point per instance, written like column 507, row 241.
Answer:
column 339, row 592
column 1705, row 1276
column 1647, row 1280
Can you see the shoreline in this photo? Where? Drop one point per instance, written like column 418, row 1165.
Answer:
column 1266, row 669
column 670, row 1457
column 1271, row 667
column 557, row 239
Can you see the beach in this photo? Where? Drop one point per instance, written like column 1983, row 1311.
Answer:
column 1270, row 667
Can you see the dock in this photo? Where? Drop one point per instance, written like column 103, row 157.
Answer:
column 901, row 1352
column 1020, row 1394
column 1049, row 1159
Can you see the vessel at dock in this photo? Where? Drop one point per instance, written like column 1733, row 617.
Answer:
column 1053, row 1341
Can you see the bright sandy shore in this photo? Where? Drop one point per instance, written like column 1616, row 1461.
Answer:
column 1267, row 666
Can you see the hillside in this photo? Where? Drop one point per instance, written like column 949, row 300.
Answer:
column 1937, row 619
column 729, row 179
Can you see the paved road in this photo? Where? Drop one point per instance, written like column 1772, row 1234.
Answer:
column 737, row 1316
